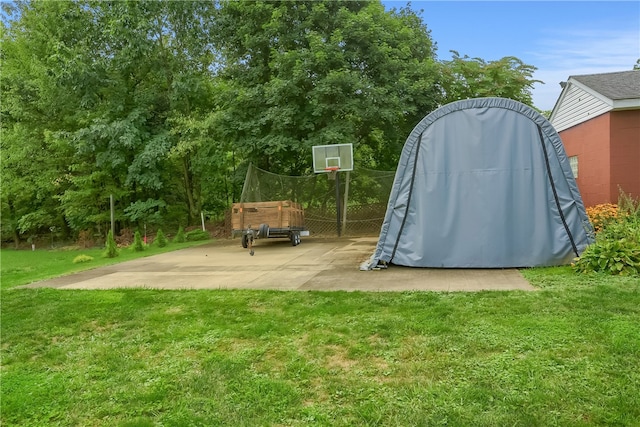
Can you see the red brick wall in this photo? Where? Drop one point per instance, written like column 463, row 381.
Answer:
column 590, row 142
column 625, row 153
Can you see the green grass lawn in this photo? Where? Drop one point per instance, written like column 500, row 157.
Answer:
column 19, row 267
column 566, row 355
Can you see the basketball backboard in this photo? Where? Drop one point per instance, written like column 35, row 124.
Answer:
column 328, row 157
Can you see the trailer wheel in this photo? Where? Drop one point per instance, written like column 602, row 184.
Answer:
column 295, row 238
column 245, row 241
column 263, row 231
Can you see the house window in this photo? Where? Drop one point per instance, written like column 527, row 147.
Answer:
column 573, row 161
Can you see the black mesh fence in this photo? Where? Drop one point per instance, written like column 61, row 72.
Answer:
column 364, row 194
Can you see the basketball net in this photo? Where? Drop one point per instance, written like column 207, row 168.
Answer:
column 333, row 171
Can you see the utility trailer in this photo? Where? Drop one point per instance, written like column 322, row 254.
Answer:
column 273, row 219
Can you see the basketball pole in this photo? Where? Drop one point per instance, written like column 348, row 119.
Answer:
column 338, row 202
column 345, row 204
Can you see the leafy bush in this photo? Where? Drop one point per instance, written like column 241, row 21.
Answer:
column 138, row 244
column 194, row 235
column 623, row 228
column 180, row 237
column 82, row 258
column 111, row 247
column 161, row 239
column 621, row 257
column 617, row 246
column 630, row 211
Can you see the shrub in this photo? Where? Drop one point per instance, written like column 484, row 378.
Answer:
column 623, row 228
column 617, row 246
column 161, row 239
column 630, row 210
column 180, row 237
column 194, row 235
column 82, row 258
column 138, row 244
column 111, row 247
column 620, row 257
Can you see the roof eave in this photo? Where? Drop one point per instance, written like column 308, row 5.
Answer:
column 626, row 104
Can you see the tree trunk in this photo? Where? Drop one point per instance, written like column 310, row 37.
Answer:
column 188, row 190
column 16, row 234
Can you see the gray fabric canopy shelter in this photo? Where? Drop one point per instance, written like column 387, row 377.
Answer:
column 483, row 183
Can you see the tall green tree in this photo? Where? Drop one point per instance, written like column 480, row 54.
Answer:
column 304, row 73
column 98, row 89
column 155, row 60
column 33, row 108
column 509, row 77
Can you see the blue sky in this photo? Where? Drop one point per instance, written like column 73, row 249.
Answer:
column 560, row 38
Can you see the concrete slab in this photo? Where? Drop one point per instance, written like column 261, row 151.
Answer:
column 316, row 264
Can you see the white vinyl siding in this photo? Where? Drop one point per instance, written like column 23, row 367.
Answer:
column 577, row 107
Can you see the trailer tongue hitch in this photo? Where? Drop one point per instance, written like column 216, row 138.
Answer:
column 250, row 237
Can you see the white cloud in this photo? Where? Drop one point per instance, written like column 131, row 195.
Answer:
column 573, row 52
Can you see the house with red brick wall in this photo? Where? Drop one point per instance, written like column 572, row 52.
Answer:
column 598, row 119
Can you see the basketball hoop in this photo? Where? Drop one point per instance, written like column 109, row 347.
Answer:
column 333, row 171
column 331, row 159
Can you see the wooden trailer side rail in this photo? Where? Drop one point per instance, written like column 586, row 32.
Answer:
column 277, row 214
